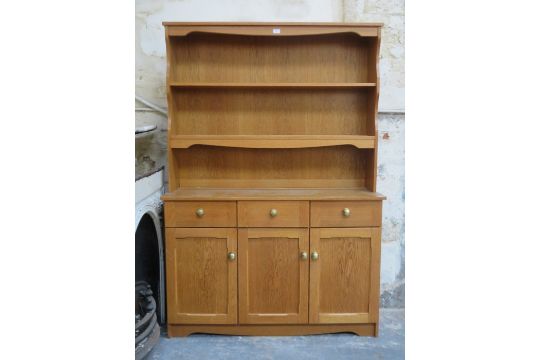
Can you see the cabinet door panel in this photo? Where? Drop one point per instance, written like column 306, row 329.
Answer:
column 201, row 280
column 344, row 280
column 273, row 279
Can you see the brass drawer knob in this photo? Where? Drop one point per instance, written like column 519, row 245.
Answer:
column 231, row 256
column 200, row 212
column 303, row 255
column 314, row 256
column 346, row 212
column 273, row 213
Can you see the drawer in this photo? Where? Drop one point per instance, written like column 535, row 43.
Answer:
column 273, row 213
column 200, row 214
column 346, row 213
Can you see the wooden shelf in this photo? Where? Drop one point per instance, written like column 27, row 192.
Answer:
column 322, row 85
column 216, row 194
column 272, row 141
column 265, row 111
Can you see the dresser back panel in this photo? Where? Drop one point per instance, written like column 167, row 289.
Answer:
column 224, row 167
column 204, row 57
column 293, row 111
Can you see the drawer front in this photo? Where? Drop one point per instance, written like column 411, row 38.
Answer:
column 346, row 213
column 273, row 213
column 200, row 214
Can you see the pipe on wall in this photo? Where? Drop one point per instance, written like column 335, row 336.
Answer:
column 151, row 105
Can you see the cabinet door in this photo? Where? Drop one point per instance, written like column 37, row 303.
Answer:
column 273, row 276
column 201, row 276
column 344, row 279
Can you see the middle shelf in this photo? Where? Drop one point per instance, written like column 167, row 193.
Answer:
column 272, row 141
column 272, row 111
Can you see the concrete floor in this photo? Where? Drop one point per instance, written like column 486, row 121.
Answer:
column 389, row 345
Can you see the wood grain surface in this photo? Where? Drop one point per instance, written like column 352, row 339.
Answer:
column 273, row 280
column 289, row 214
column 272, row 116
column 330, row 213
column 201, row 281
column 341, row 279
column 216, row 214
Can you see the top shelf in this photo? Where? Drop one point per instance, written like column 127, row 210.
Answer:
column 273, row 29
column 266, row 23
column 340, row 85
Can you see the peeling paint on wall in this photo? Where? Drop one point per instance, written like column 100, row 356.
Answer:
column 391, row 182
column 150, row 152
column 392, row 61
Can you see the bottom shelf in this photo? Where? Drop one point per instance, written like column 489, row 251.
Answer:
column 271, row 194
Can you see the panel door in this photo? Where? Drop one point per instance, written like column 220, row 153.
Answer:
column 344, row 275
column 273, row 276
column 201, row 275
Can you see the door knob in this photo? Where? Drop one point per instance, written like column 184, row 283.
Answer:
column 231, row 256
column 346, row 212
column 314, row 256
column 303, row 255
column 200, row 212
column 273, row 213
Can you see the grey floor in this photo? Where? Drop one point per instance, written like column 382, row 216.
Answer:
column 389, row 345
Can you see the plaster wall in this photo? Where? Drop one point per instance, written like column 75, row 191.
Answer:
column 150, row 70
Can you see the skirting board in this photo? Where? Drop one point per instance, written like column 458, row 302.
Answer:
column 272, row 330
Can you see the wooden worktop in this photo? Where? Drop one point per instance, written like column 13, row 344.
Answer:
column 271, row 194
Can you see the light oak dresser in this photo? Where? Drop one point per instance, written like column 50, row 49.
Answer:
column 273, row 222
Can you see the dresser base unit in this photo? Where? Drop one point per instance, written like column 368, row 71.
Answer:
column 272, row 219
column 272, row 330
column 277, row 267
